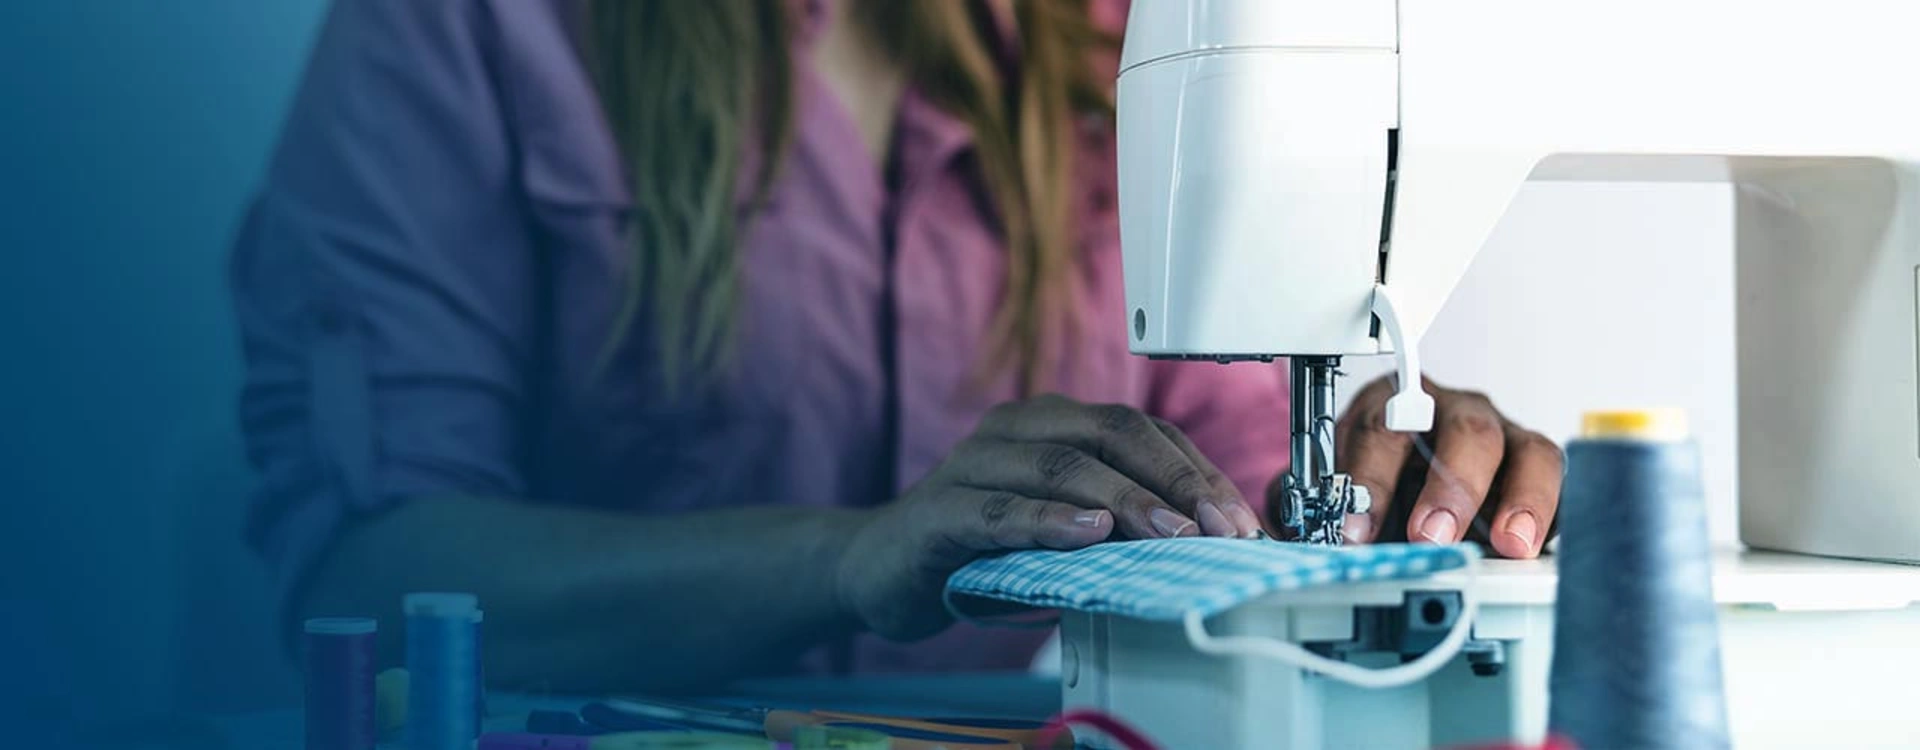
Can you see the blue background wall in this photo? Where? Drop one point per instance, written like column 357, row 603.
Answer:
column 131, row 134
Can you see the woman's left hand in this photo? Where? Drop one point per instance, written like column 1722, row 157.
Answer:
column 1476, row 475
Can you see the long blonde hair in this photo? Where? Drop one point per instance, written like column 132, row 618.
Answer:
column 699, row 92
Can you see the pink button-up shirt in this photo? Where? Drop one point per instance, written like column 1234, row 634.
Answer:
column 439, row 252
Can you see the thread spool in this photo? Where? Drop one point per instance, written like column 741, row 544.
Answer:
column 441, row 688
column 338, row 675
column 1636, row 661
column 390, row 701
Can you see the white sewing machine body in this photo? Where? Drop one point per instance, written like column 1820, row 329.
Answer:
column 1810, row 645
column 1254, row 192
column 1311, row 178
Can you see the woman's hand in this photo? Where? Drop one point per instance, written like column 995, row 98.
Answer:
column 1477, row 475
column 1047, row 472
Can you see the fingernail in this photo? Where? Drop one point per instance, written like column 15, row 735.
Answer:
column 1440, row 527
column 1213, row 522
column 1244, row 520
column 1090, row 518
column 1358, row 528
column 1524, row 527
column 1170, row 524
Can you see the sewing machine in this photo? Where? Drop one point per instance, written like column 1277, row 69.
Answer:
column 1311, row 178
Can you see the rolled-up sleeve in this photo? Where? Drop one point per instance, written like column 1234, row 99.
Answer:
column 384, row 282
column 1236, row 414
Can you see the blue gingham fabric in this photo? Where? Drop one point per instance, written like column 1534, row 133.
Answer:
column 1165, row 579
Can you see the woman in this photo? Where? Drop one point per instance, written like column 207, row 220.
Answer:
column 703, row 339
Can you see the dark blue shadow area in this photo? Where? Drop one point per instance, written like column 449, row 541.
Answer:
column 133, row 133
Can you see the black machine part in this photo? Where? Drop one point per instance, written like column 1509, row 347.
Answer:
column 1410, row 629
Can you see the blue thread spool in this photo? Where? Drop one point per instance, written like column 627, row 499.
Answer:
column 1636, row 659
column 338, row 659
column 441, row 656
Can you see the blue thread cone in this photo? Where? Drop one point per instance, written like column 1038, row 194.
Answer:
column 1636, row 661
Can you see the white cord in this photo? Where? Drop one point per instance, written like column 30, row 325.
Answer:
column 1294, row 656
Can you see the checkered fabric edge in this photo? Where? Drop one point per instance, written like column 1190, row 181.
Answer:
column 1164, row 579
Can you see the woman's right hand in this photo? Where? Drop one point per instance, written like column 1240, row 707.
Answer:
column 1045, row 472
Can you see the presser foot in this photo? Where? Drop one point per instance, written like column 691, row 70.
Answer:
column 1317, row 513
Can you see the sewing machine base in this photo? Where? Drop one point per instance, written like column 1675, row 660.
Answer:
column 1816, row 652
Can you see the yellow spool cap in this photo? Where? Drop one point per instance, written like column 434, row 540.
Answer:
column 1635, row 424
